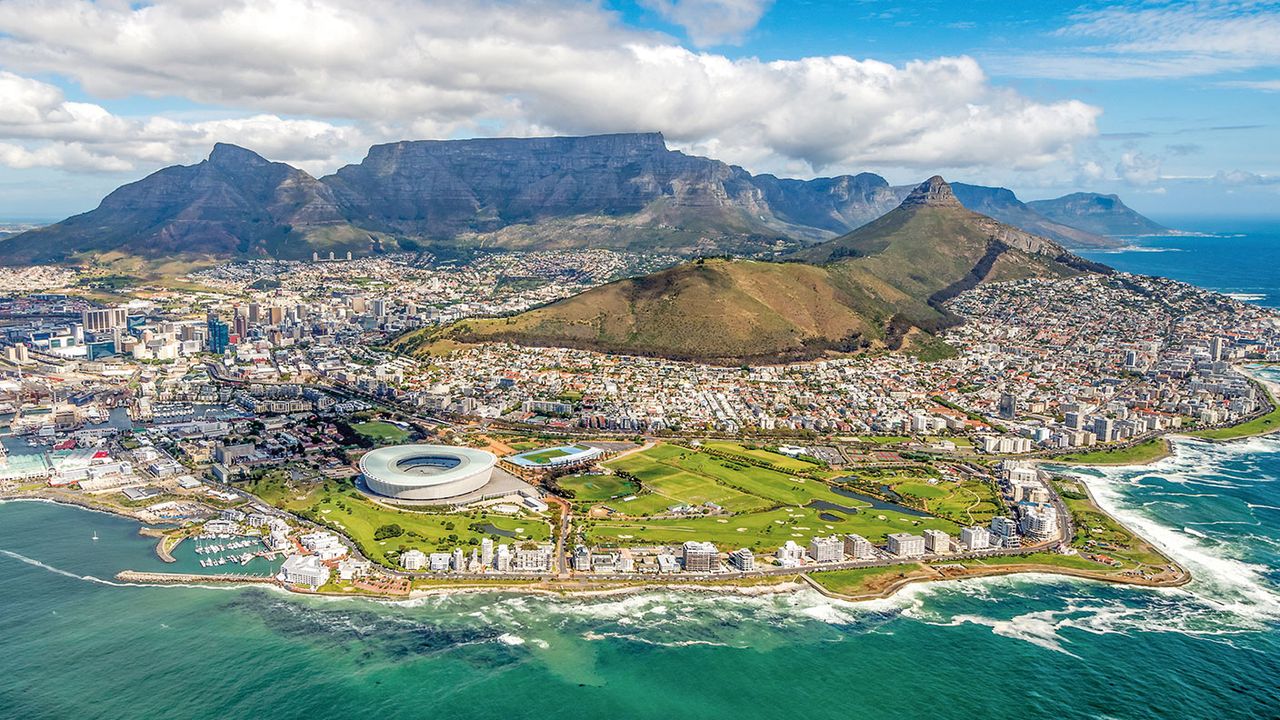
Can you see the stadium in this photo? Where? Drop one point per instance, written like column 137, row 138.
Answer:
column 426, row 472
column 565, row 456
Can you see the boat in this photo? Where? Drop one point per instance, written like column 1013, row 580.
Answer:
column 95, row 535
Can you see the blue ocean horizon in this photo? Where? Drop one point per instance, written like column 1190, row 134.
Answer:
column 78, row 644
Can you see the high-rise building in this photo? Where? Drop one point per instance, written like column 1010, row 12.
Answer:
column 1004, row 532
column 904, row 544
column 828, row 549
column 743, row 559
column 486, row 551
column 1216, row 347
column 219, row 337
column 700, row 556
column 1008, row 406
column 857, row 547
column 1104, row 428
column 975, row 538
column 936, row 541
column 104, row 319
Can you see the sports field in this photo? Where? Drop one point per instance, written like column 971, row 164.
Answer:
column 596, row 488
column 766, row 507
column 383, row 432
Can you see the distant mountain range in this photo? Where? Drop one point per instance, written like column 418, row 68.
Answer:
column 626, row 192
column 882, row 285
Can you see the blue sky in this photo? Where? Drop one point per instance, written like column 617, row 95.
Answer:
column 1172, row 105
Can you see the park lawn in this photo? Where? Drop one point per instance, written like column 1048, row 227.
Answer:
column 762, row 482
column 383, row 432
column 595, row 488
column 972, row 502
column 773, row 458
column 686, row 487
column 1099, row 533
column 1074, row 562
column 1144, row 452
column 884, row 439
column 523, row 446
column 860, row 581
column 762, row 531
column 357, row 517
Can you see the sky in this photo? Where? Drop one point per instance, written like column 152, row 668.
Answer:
column 1175, row 106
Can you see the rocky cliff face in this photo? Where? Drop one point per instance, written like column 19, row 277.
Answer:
column 438, row 189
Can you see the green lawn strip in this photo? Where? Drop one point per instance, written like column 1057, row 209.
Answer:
column 858, row 580
column 1074, row 562
column 1256, row 426
column 1143, row 452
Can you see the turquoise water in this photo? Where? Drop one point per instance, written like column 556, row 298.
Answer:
column 78, row 645
column 1239, row 257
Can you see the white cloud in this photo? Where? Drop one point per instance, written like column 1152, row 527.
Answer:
column 711, row 22
column 1158, row 39
column 392, row 69
column 39, row 127
column 1138, row 168
column 1244, row 177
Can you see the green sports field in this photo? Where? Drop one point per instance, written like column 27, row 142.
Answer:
column 597, row 488
column 382, row 432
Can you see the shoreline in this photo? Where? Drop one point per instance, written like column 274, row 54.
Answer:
column 786, row 584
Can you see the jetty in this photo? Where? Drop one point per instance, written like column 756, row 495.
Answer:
column 137, row 576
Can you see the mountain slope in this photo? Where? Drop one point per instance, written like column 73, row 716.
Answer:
column 882, row 285
column 1095, row 213
column 1001, row 204
column 234, row 203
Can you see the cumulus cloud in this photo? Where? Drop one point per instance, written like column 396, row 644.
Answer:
column 712, row 22
column 393, row 69
column 41, row 128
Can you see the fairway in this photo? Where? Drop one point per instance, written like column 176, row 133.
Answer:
column 766, row 507
column 764, row 531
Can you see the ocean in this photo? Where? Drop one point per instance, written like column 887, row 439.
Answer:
column 76, row 644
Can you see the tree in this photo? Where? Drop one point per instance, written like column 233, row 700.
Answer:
column 388, row 531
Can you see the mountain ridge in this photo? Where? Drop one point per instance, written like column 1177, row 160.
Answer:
column 623, row 191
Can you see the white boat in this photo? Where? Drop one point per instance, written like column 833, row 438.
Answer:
column 95, row 535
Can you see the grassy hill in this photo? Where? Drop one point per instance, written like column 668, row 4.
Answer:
column 881, row 286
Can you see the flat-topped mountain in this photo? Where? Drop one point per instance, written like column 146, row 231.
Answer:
column 1099, row 214
column 626, row 192
column 881, row 286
